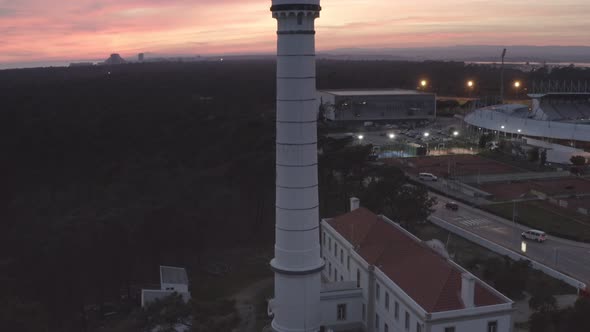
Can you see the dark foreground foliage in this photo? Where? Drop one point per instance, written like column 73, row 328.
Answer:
column 109, row 172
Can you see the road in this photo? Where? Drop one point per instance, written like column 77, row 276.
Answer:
column 569, row 257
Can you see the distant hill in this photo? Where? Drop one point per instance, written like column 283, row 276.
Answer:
column 572, row 54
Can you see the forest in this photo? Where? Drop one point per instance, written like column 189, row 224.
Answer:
column 110, row 171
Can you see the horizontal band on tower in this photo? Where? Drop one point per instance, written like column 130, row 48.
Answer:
column 303, row 209
column 296, row 122
column 298, row 230
column 295, row 166
column 298, row 6
column 297, row 32
column 304, row 187
column 295, row 78
column 297, row 272
column 297, row 100
column 288, row 55
column 296, row 144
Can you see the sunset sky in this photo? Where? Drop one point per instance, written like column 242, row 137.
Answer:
column 48, row 30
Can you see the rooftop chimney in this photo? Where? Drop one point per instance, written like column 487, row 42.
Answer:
column 468, row 290
column 355, row 203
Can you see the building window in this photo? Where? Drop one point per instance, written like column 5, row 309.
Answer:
column 358, row 278
column 418, row 327
column 376, row 322
column 450, row 329
column 335, row 274
column 396, row 310
column 341, row 312
column 386, row 328
column 386, row 300
column 335, row 249
column 341, row 256
column 407, row 321
column 493, row 326
column 377, row 292
column 330, row 269
column 364, row 312
column 330, row 243
column 348, row 262
column 324, row 238
column 300, row 19
column 341, row 278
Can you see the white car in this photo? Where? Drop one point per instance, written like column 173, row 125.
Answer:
column 534, row 235
column 427, row 177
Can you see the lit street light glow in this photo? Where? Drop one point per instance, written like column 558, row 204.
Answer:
column 519, row 130
column 361, row 137
column 517, row 84
column 502, row 127
column 426, row 134
column 423, row 83
column 392, row 136
column 455, row 133
column 470, row 84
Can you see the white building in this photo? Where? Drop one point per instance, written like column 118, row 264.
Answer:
column 377, row 105
column 172, row 280
column 404, row 285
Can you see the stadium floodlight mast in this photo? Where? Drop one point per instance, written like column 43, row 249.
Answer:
column 502, row 78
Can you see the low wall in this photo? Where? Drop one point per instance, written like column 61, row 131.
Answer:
column 507, row 252
column 512, row 177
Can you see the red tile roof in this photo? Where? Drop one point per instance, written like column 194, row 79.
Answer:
column 427, row 277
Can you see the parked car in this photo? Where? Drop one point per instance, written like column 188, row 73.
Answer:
column 427, row 177
column 452, row 206
column 534, row 235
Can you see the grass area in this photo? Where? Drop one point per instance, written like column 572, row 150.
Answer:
column 514, row 161
column 465, row 252
column 536, row 214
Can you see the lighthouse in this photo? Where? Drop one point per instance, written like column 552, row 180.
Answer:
column 297, row 263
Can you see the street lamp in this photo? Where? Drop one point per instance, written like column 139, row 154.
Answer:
column 470, row 85
column 455, row 133
column 391, row 136
column 426, row 134
column 360, row 137
column 423, row 83
column 517, row 87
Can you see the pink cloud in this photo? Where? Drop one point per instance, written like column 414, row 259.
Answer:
column 34, row 30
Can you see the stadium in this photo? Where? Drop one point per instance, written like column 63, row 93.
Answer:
column 556, row 121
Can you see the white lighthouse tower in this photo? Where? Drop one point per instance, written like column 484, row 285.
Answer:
column 297, row 263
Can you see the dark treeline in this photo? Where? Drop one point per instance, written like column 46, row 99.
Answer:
column 109, row 172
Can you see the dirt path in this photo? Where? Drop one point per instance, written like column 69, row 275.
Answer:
column 248, row 304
